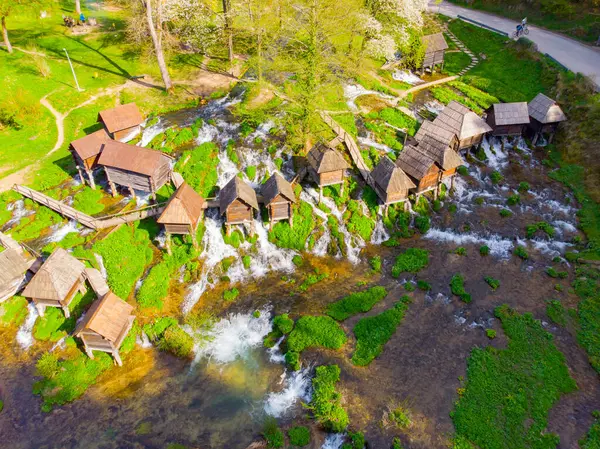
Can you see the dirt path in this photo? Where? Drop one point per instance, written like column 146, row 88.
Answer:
column 60, row 120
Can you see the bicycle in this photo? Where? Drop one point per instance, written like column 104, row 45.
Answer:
column 524, row 30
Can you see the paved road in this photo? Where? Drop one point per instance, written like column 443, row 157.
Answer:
column 575, row 55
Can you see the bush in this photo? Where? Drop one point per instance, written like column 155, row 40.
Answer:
column 513, row 200
column 177, row 341
column 359, row 302
column 357, row 441
column 299, row 436
column 530, row 230
column 47, row 365
column 493, row 283
column 325, row 403
column 484, row 250
column 231, row 295
column 283, row 323
column 556, row 312
column 505, row 213
column 273, row 434
column 400, row 417
column 462, row 170
column 316, row 331
column 523, row 187
column 496, row 177
column 424, row 285
column 461, row 251
column 375, row 263
column 297, row 260
column 457, row 285
column 521, row 252
column 293, row 360
column 372, row 333
column 412, row 260
column 422, row 223
column 490, row 333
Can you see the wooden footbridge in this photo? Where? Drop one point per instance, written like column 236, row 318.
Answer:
column 88, row 221
column 343, row 136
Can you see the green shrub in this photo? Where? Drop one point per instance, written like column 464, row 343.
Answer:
column 505, row 213
column 423, row 285
column 556, row 312
column 375, row 263
column 313, row 279
column 283, row 323
column 422, row 223
column 521, row 252
column 231, row 295
column 177, row 341
column 325, row 403
column 316, row 331
column 397, row 444
column 246, row 261
column 47, row 365
column 299, row 436
column 400, row 417
column 496, row 177
column 462, row 170
column 256, row 314
column 490, row 333
column 295, row 237
column 293, row 360
column 297, row 260
column 409, row 286
column 509, row 392
column 523, row 187
column 357, row 441
column 412, row 260
column 273, row 434
column 251, row 171
column 199, row 167
column 13, row 311
column 461, row 251
column 372, row 333
column 543, row 226
column 457, row 286
column 359, row 302
column 493, row 283
column 484, row 250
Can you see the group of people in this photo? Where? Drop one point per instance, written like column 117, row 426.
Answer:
column 71, row 22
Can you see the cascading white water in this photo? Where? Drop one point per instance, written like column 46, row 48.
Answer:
column 143, row 341
column 321, row 245
column 233, row 337
column 24, row 334
column 434, row 106
column 499, row 246
column 142, row 198
column 496, row 158
column 334, row 441
column 262, row 131
column 100, row 261
column 148, row 134
column 207, row 133
column 18, row 212
column 407, row 77
column 380, row 233
column 60, row 232
column 353, row 91
column 297, row 385
column 369, row 142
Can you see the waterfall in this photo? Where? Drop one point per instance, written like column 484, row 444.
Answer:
column 100, row 261
column 60, row 232
column 499, row 246
column 496, row 158
column 369, row 142
column 334, row 441
column 353, row 91
column 18, row 212
column 24, row 334
column 148, row 134
column 297, row 385
column 407, row 77
column 380, row 234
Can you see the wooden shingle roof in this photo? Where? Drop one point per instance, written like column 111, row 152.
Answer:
column 511, row 113
column 277, row 185
column 545, row 110
column 56, row 277
column 390, row 177
column 322, row 158
column 236, row 189
column 184, row 207
column 107, row 317
column 121, row 117
column 90, row 145
column 436, row 131
column 446, row 157
column 13, row 266
column 132, row 158
column 414, row 162
column 434, row 42
column 461, row 121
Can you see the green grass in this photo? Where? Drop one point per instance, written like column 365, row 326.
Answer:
column 521, row 252
column 33, row 226
column 168, row 336
column 199, row 168
column 359, row 302
column 412, row 260
column 295, row 237
column 299, row 436
column 483, row 99
column 273, row 434
column 399, row 119
column 358, row 223
column 326, row 401
column 126, row 253
column 592, row 438
column 509, row 392
column 87, row 200
column 372, row 333
column 556, row 312
column 347, row 122
column 588, row 312
column 316, row 331
column 457, row 286
column 13, row 311
column 455, row 62
column 445, row 95
column 493, row 283
column 231, row 295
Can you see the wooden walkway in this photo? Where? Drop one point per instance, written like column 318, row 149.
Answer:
column 87, row 220
column 96, row 281
column 343, row 136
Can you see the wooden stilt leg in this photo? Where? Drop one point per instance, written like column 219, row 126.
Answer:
column 405, row 205
column 89, row 352
column 550, row 138
column 228, row 230
column 90, row 176
column 342, row 190
column 41, row 309
column 452, row 183
column 117, row 357
column 131, row 192
column 320, row 193
column 436, row 192
column 80, row 174
column 168, row 243
column 535, row 139
column 291, row 216
column 66, row 312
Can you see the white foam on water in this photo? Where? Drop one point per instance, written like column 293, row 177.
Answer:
column 233, row 338
column 18, row 212
column 207, row 133
column 148, row 134
column 226, row 169
column 25, row 333
column 262, row 131
column 496, row 158
column 380, row 233
column 334, row 441
column 407, row 77
column 297, row 386
column 353, row 91
column 564, row 226
column 269, row 256
column 143, row 341
column 499, row 247
column 434, row 106
column 321, row 246
column 100, row 261
column 369, row 142
column 552, row 248
column 60, row 232
column 275, row 354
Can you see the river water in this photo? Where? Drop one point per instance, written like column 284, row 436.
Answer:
column 221, row 398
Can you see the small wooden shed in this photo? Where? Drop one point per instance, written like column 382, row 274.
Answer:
column 182, row 213
column 468, row 126
column 278, row 196
column 57, row 281
column 508, row 119
column 86, row 152
column 326, row 166
column 424, row 172
column 391, row 183
column 237, row 201
column 122, row 123
column 105, row 326
column 447, row 158
column 545, row 114
column 134, row 167
column 13, row 268
column 435, row 49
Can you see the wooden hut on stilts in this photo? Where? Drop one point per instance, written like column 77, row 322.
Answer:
column 278, row 197
column 182, row 214
column 56, row 282
column 392, row 185
column 105, row 326
column 326, row 167
column 86, row 152
column 435, row 49
column 424, row 172
column 134, row 167
column 545, row 115
column 237, row 201
column 122, row 123
column 508, row 119
column 460, row 120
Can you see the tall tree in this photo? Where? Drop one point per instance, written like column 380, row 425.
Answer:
column 78, row 7
column 156, row 34
column 228, row 20
column 7, row 7
column 257, row 16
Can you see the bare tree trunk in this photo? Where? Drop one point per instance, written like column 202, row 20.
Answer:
column 78, row 7
column 228, row 30
column 157, row 41
column 5, row 36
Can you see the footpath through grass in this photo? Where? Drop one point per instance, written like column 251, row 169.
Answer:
column 509, row 392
